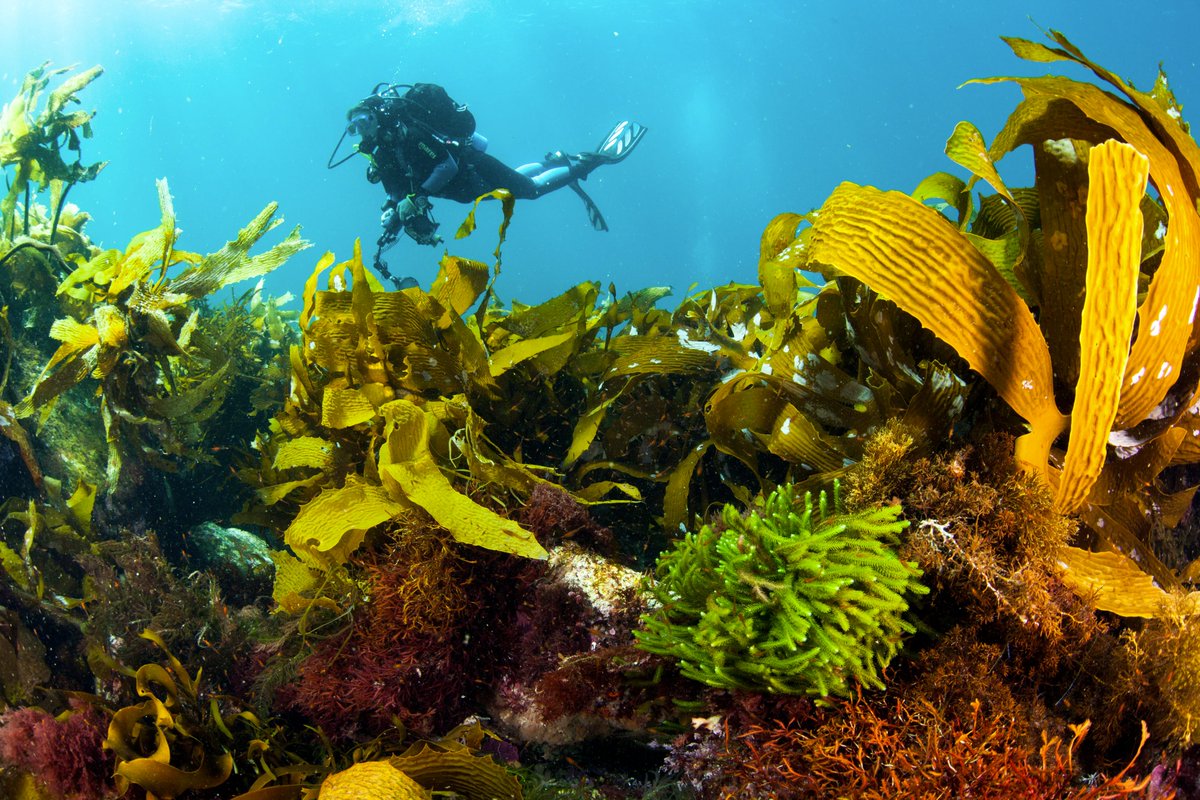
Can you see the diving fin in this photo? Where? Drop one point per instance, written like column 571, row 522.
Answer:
column 620, row 141
column 594, row 215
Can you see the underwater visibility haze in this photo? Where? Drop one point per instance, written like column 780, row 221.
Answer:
column 856, row 459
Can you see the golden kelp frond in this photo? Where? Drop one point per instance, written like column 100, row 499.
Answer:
column 233, row 263
column 512, row 354
column 778, row 260
column 1008, row 250
column 911, row 255
column 332, row 525
column 1038, row 292
column 1114, row 225
column 297, row 585
column 34, row 141
column 572, row 307
column 459, row 283
column 1165, row 316
column 165, row 364
column 454, row 764
column 507, row 203
column 409, row 472
column 1114, row 582
column 372, row 780
column 662, row 355
column 345, row 408
column 405, row 339
column 153, row 741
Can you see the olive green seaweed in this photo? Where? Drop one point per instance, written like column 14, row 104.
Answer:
column 34, row 144
column 794, row 599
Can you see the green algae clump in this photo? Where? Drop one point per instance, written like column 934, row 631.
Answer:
column 794, row 599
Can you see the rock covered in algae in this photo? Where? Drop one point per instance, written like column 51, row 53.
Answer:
column 372, row 780
column 240, row 560
column 606, row 585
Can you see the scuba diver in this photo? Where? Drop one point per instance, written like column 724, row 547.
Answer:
column 420, row 144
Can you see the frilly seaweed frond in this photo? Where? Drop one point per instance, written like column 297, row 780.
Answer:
column 165, row 366
column 33, row 141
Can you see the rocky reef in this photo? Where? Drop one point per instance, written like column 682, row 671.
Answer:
column 922, row 528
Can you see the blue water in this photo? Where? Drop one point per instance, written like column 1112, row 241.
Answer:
column 754, row 108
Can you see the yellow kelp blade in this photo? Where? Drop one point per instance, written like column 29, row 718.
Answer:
column 409, row 471
column 294, row 580
column 345, row 408
column 452, row 766
column 332, row 525
column 778, row 262
column 1167, row 313
column 68, row 88
column 914, row 257
column 80, row 505
column 147, row 249
column 967, row 148
column 507, row 202
column 950, row 190
column 459, row 283
column 233, row 263
column 372, row 780
column 1117, row 176
column 1158, row 106
column 503, row 360
column 1114, row 583
column 167, row 781
column 304, row 451
column 310, row 288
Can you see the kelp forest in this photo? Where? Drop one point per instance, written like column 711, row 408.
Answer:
column 910, row 518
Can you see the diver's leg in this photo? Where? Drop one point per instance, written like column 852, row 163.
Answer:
column 495, row 174
column 559, row 170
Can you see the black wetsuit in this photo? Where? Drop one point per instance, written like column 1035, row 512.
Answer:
column 405, row 162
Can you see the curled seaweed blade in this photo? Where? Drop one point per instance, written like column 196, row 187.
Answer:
column 453, row 767
column 967, row 148
column 1158, row 108
column 1117, row 174
column 951, row 190
column 507, row 202
column 778, row 262
column 332, row 525
column 310, row 288
column 408, row 471
column 913, row 256
column 167, row 781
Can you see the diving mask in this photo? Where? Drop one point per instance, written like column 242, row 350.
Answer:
column 362, row 123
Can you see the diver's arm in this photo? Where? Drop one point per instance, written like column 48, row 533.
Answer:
column 441, row 175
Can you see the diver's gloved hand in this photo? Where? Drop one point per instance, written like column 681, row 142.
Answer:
column 390, row 220
column 413, row 206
